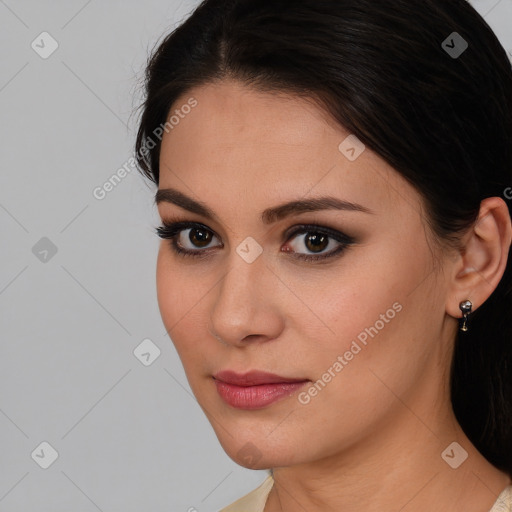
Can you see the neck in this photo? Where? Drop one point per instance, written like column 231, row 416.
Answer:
column 398, row 467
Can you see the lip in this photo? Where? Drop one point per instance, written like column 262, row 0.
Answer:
column 255, row 389
column 252, row 378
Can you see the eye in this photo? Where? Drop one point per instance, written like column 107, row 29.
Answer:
column 193, row 239
column 186, row 238
column 317, row 239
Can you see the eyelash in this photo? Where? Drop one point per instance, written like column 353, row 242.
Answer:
column 171, row 230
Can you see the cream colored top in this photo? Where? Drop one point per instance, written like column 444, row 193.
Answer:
column 255, row 500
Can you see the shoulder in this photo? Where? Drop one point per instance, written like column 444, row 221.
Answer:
column 255, row 500
column 504, row 501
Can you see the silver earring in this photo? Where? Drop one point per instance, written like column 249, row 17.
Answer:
column 465, row 306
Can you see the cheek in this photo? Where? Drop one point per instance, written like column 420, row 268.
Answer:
column 367, row 318
column 359, row 301
column 176, row 295
column 182, row 295
column 360, row 326
column 168, row 287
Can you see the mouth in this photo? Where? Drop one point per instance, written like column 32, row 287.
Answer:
column 255, row 389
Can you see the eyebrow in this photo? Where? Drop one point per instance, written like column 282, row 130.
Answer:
column 270, row 215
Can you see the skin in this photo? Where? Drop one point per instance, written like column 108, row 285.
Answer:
column 372, row 438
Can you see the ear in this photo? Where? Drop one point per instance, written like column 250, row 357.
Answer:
column 481, row 262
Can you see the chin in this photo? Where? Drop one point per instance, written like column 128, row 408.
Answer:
column 259, row 453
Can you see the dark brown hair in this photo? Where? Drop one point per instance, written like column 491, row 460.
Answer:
column 382, row 71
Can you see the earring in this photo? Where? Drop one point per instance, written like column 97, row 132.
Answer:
column 465, row 306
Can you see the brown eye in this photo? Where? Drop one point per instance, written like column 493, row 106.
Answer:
column 187, row 238
column 316, row 242
column 191, row 239
column 313, row 242
column 309, row 242
column 200, row 237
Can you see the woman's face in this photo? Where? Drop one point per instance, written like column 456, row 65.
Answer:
column 365, row 327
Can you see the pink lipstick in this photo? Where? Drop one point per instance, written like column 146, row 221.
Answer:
column 255, row 389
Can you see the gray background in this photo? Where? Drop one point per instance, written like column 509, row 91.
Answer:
column 129, row 436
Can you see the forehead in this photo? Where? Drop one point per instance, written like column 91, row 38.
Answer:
column 254, row 146
column 235, row 112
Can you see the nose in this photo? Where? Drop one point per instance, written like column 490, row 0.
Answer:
column 246, row 304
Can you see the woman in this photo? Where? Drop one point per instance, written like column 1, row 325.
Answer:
column 335, row 274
